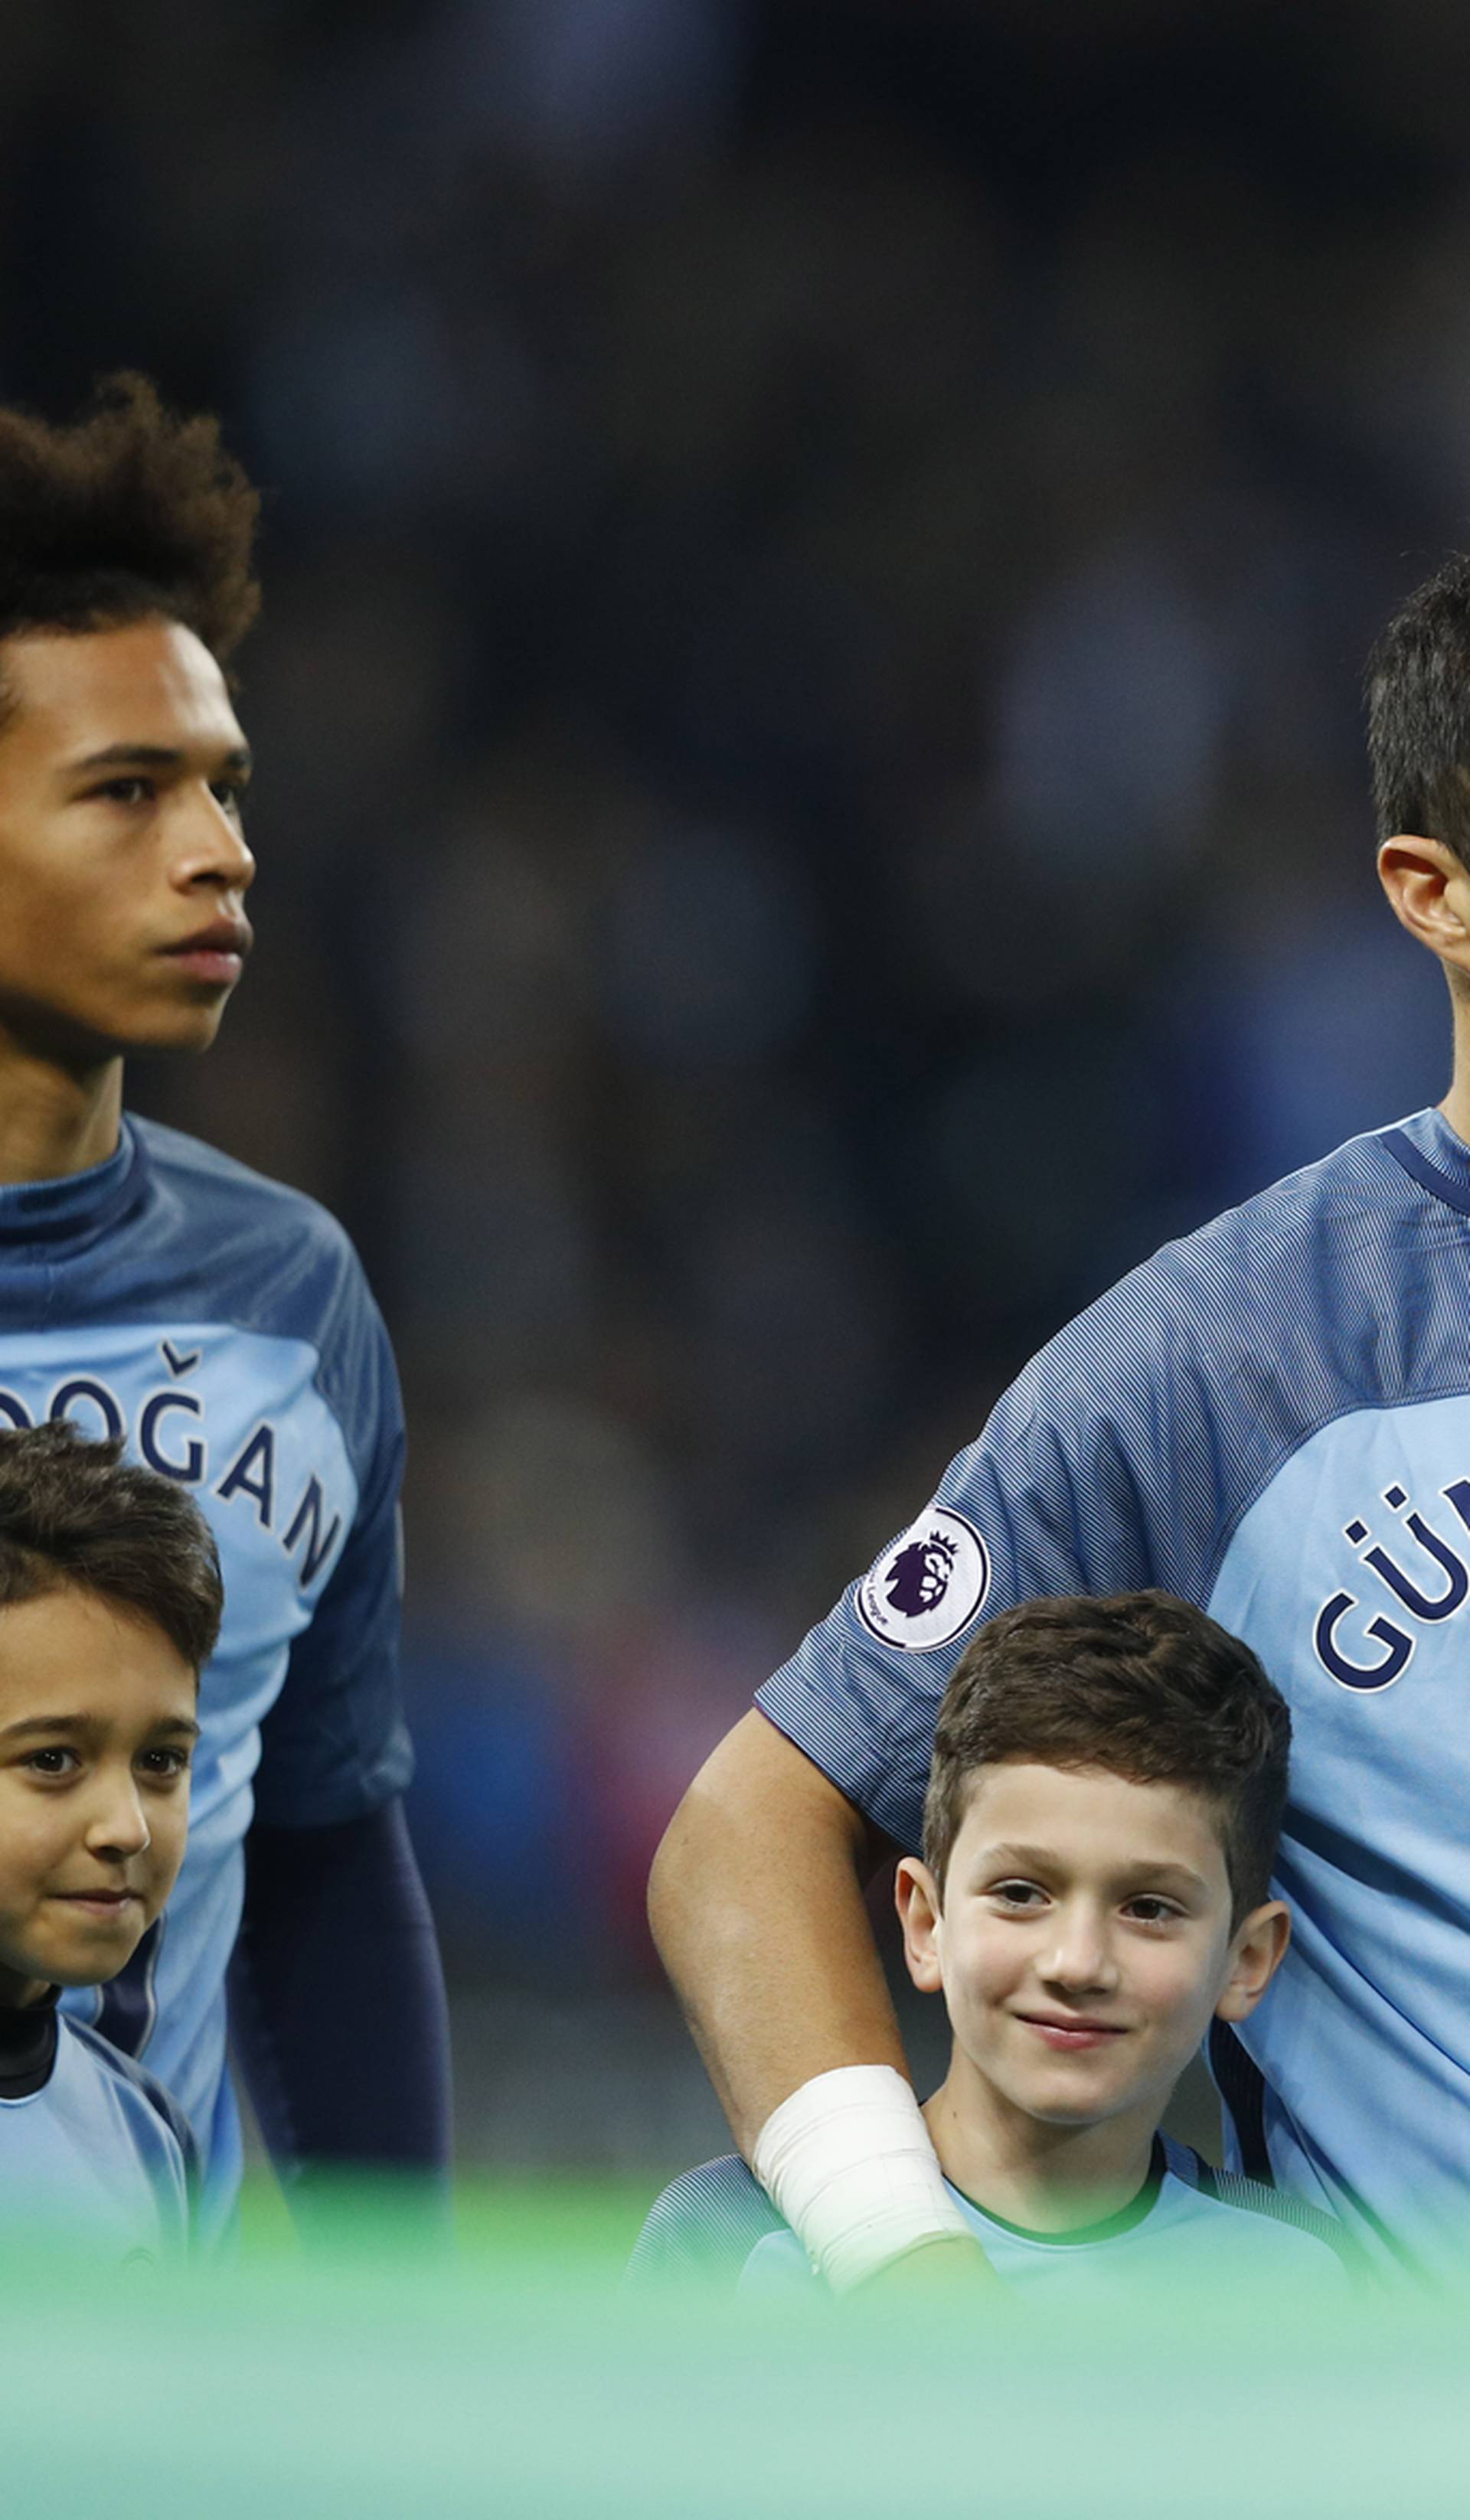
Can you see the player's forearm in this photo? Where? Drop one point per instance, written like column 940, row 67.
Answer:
column 338, row 1999
column 756, row 1906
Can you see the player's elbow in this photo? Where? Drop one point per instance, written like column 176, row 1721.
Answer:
column 758, row 1809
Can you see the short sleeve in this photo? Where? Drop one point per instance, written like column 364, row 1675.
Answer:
column 1069, row 1489
column 335, row 1745
column 704, row 2228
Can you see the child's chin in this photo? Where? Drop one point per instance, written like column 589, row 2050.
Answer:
column 1076, row 2108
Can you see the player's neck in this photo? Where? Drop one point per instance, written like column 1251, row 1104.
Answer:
column 55, row 1120
column 1046, row 2178
column 1456, row 1104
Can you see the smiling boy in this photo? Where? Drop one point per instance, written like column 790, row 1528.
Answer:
column 1104, row 1801
column 110, row 1605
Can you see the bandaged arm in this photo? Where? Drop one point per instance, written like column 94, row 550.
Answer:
column 756, row 1906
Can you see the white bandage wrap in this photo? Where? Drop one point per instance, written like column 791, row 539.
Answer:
column 848, row 2162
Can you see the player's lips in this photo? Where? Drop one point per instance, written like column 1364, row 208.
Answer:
column 215, row 953
column 1069, row 2032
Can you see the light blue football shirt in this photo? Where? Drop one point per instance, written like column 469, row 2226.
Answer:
column 99, row 2156
column 1189, row 2224
column 1271, row 1419
column 222, row 1326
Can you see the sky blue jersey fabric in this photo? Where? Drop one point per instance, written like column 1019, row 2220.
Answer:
column 1271, row 1419
column 222, row 1326
column 99, row 2156
column 1189, row 2224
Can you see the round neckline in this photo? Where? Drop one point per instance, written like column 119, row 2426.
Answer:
column 1083, row 2236
column 74, row 1203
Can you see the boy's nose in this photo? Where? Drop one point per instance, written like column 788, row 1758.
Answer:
column 1080, row 1959
column 119, row 1825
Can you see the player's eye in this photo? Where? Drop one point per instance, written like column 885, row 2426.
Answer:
column 1154, row 1911
column 126, row 791
column 54, row 1760
column 230, row 793
column 1020, row 1896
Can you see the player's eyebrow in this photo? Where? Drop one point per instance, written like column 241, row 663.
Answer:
column 160, row 757
column 35, row 1727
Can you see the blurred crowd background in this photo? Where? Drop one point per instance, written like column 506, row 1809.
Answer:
column 811, row 803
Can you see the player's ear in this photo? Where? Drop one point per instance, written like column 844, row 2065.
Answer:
column 1429, row 890
column 916, row 1897
column 1257, row 1949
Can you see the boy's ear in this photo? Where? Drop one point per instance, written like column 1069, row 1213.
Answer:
column 1257, row 1950
column 917, row 1899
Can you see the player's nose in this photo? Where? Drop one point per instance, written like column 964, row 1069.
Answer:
column 210, row 847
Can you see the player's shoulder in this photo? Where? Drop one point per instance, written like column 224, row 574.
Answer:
column 210, row 1183
column 1364, row 1183
column 704, row 2226
column 1280, row 2228
column 149, row 2105
column 268, row 1256
column 1312, row 1252
column 1247, row 1249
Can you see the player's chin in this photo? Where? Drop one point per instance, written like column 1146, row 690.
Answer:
column 177, row 1027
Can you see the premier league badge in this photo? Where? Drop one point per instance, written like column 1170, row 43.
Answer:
column 926, row 1589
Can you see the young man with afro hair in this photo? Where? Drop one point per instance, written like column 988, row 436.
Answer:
column 154, row 1291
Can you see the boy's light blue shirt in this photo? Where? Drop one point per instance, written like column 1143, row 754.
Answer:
column 1273, row 1420
column 222, row 1326
column 1188, row 2226
column 1179, row 2234
column 97, row 2157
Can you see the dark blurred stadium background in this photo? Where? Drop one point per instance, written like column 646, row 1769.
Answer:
column 818, row 563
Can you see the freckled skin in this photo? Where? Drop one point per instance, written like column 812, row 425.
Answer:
column 97, row 1723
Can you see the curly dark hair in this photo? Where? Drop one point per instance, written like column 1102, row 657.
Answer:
column 75, row 1515
column 129, row 510
column 1139, row 1684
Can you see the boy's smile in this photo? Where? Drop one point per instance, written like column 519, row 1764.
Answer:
column 1083, row 1945
column 97, row 1723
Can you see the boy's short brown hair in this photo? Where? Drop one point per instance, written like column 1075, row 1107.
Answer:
column 74, row 1516
column 1138, row 1683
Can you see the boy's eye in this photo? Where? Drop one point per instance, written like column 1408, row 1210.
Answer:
column 1154, row 1911
column 165, row 1764
column 54, row 1761
column 1018, row 1894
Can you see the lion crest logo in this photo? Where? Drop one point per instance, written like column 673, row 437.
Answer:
column 926, row 1589
column 918, row 1577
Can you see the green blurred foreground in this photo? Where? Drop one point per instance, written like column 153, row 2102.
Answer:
column 371, row 2379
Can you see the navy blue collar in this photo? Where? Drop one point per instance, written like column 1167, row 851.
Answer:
column 1433, row 1155
column 78, row 1207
